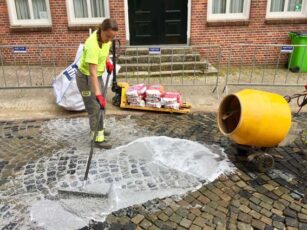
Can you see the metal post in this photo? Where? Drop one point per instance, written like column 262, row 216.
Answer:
column 194, row 74
column 264, row 68
column 137, row 65
column 302, row 61
column 126, row 57
column 53, row 61
column 228, row 66
column 29, row 71
column 172, row 65
column 253, row 65
column 182, row 67
column 207, row 58
column 240, row 68
column 41, row 62
column 277, row 64
column 148, row 68
column 2, row 66
column 16, row 71
column 288, row 67
column 218, row 70
column 160, row 67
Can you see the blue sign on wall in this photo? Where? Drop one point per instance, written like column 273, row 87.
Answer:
column 286, row 49
column 154, row 50
column 19, row 49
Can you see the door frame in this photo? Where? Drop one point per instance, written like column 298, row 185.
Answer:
column 127, row 22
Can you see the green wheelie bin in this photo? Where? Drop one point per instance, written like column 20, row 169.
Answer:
column 298, row 58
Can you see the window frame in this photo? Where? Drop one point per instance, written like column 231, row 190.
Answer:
column 211, row 17
column 286, row 14
column 73, row 21
column 15, row 22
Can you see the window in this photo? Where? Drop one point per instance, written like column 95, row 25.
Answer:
column 228, row 10
column 29, row 12
column 287, row 9
column 87, row 12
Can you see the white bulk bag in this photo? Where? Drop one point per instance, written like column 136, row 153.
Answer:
column 65, row 86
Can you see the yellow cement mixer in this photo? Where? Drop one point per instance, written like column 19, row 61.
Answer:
column 255, row 121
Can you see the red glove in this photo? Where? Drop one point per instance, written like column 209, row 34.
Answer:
column 306, row 86
column 109, row 66
column 102, row 102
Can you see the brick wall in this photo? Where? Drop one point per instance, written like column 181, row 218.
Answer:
column 258, row 30
column 255, row 30
column 59, row 34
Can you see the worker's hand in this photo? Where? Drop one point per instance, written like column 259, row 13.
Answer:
column 109, row 66
column 101, row 100
column 306, row 86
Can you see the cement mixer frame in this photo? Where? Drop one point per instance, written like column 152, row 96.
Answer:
column 257, row 122
column 236, row 115
column 260, row 157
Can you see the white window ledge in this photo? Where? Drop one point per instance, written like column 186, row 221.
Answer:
column 17, row 23
column 287, row 14
column 90, row 21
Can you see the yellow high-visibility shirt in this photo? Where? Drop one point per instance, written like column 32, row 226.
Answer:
column 93, row 54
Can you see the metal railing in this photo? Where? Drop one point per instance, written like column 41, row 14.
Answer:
column 35, row 66
column 266, row 65
column 171, row 65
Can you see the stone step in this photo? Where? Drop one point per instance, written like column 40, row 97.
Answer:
column 209, row 71
column 158, row 58
column 164, row 50
column 166, row 66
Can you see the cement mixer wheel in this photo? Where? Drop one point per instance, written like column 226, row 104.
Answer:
column 264, row 162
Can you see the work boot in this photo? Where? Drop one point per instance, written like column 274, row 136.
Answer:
column 103, row 145
column 100, row 141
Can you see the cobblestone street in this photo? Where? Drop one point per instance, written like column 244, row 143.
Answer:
column 36, row 157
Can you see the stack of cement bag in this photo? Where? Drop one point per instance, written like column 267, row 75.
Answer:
column 171, row 100
column 136, row 94
column 153, row 96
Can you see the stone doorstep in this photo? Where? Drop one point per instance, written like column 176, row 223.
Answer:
column 164, row 50
column 202, row 65
column 124, row 59
column 177, row 73
column 211, row 71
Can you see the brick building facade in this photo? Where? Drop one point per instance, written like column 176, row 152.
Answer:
column 253, row 24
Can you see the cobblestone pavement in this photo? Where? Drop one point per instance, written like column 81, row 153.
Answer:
column 36, row 155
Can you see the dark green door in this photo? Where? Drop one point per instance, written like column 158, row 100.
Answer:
column 153, row 22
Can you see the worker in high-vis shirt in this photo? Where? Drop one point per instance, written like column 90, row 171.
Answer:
column 93, row 62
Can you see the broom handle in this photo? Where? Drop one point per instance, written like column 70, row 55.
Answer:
column 101, row 114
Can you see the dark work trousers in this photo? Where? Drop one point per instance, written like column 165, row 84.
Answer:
column 89, row 98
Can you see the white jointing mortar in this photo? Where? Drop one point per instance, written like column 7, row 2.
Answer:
column 160, row 155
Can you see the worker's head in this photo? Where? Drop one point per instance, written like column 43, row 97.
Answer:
column 107, row 30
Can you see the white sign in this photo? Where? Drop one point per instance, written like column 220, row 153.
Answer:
column 154, row 50
column 19, row 49
column 286, row 49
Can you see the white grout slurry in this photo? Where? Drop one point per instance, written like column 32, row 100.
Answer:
column 146, row 168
